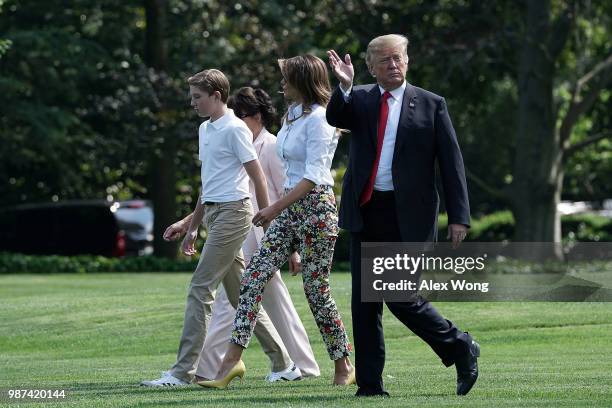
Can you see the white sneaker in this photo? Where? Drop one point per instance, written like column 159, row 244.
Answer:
column 291, row 373
column 166, row 380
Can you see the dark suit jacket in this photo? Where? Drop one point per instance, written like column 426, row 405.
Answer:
column 425, row 133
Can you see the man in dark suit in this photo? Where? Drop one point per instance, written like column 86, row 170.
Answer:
column 389, row 195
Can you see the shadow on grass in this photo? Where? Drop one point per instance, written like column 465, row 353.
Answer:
column 302, row 392
column 114, row 388
column 193, row 395
column 245, row 400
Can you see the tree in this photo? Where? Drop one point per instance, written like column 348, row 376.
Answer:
column 543, row 146
column 560, row 82
column 92, row 94
column 163, row 171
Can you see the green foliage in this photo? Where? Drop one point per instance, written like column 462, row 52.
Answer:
column 494, row 227
column 589, row 170
column 4, row 46
column 83, row 117
column 586, row 228
column 499, row 226
column 514, row 266
column 19, row 263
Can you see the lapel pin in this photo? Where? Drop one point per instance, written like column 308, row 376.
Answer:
column 411, row 104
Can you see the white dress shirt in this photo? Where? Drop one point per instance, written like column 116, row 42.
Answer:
column 384, row 179
column 306, row 144
column 225, row 145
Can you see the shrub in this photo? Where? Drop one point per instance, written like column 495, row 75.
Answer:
column 499, row 226
column 19, row 263
column 586, row 228
column 494, row 227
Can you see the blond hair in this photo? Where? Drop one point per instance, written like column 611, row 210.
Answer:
column 385, row 41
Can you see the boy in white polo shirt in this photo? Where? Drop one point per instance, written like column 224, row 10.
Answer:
column 228, row 160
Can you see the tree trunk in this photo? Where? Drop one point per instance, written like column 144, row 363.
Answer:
column 537, row 220
column 156, row 50
column 163, row 177
column 164, row 198
column 538, row 163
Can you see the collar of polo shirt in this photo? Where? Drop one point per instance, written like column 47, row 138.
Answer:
column 219, row 123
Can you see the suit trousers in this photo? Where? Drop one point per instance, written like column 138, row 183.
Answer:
column 222, row 260
column 446, row 340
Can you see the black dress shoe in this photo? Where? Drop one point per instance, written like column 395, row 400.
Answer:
column 467, row 367
column 369, row 392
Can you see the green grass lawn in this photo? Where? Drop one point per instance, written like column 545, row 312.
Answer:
column 98, row 336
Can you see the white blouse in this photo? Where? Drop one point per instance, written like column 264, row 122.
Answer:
column 306, row 144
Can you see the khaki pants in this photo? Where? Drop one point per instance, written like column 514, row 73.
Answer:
column 221, row 261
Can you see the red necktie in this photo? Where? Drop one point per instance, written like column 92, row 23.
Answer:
column 366, row 195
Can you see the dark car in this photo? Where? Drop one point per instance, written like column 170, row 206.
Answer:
column 78, row 227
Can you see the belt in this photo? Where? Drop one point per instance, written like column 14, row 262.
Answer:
column 383, row 195
column 223, row 202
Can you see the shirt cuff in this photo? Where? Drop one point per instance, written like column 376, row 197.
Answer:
column 248, row 158
column 316, row 174
column 346, row 93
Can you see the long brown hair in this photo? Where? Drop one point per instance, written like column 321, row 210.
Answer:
column 308, row 75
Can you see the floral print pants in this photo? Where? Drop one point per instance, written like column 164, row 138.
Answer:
column 309, row 225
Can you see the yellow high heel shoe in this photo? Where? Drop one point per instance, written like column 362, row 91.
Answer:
column 351, row 379
column 237, row 371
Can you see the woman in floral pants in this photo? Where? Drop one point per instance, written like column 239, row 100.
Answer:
column 304, row 218
column 311, row 224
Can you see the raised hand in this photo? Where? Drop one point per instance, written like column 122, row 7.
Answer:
column 343, row 70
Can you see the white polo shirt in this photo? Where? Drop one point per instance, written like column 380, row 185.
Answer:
column 224, row 145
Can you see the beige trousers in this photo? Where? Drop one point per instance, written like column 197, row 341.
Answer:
column 222, row 260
